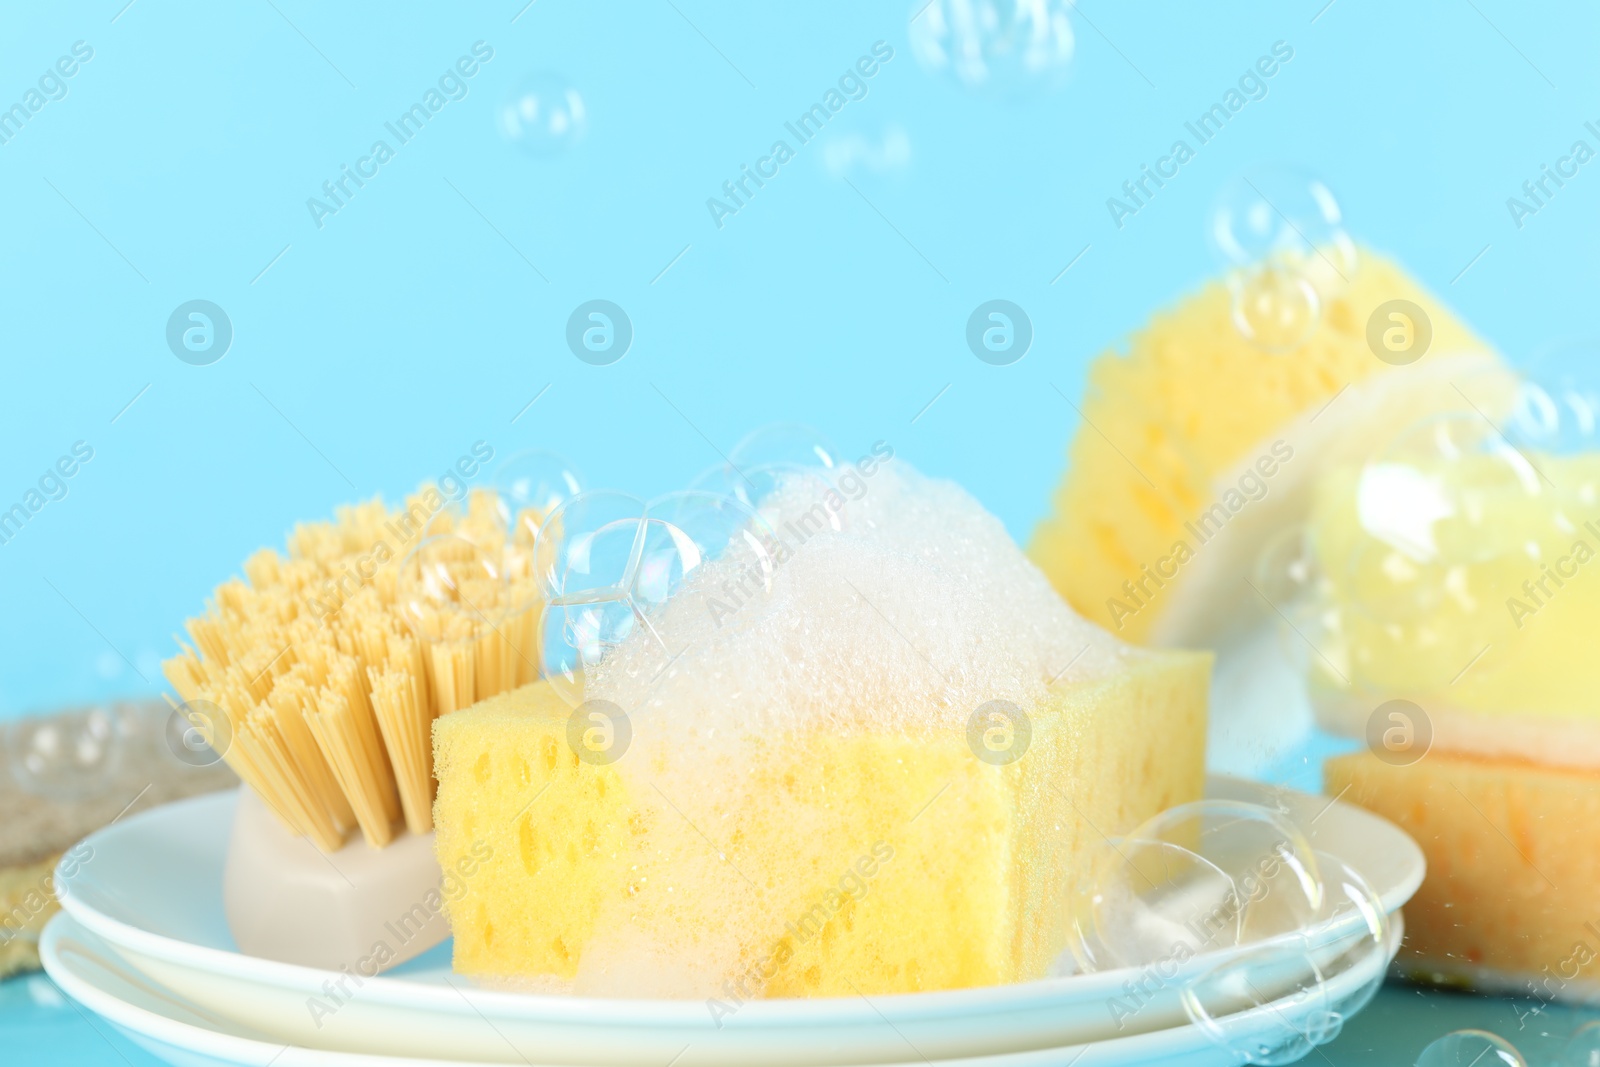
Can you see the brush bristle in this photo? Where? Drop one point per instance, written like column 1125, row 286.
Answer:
column 328, row 670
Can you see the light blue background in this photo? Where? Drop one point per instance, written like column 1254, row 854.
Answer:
column 378, row 349
column 407, row 328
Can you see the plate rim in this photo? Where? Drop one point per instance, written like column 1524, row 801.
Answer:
column 131, row 1019
column 156, row 1026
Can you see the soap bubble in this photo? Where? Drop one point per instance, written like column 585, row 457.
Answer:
column 1471, row 1048
column 1557, row 407
column 1213, row 874
column 588, row 554
column 1274, row 307
column 1430, row 545
column 1447, row 491
column 773, row 459
column 532, row 484
column 543, row 115
column 1276, row 1001
column 1388, row 584
column 575, row 637
column 613, row 563
column 589, row 546
column 1449, row 522
column 69, row 757
column 1584, row 1048
column 449, row 587
column 1266, row 1005
column 1284, row 217
column 784, row 444
column 684, row 530
column 529, row 487
column 1008, row 46
column 1349, row 931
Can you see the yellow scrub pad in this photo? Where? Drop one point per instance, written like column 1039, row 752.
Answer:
column 1458, row 607
column 876, row 770
column 1193, row 437
column 1469, row 586
column 924, row 867
column 1513, row 862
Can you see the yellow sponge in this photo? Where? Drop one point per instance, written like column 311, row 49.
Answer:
column 837, row 863
column 1194, row 429
column 1488, row 622
column 1509, row 902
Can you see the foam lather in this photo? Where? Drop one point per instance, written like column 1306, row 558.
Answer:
column 876, row 766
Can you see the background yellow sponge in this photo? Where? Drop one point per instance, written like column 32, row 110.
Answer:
column 1513, row 860
column 1167, row 424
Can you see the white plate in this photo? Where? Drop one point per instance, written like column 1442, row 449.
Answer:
column 186, row 1035
column 152, row 891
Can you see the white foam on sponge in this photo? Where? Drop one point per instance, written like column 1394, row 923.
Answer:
column 899, row 607
column 905, row 607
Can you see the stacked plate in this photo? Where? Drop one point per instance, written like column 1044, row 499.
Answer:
column 142, row 941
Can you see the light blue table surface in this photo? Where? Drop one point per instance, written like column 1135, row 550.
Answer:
column 430, row 311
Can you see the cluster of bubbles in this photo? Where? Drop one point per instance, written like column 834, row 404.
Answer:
column 1443, row 527
column 543, row 115
column 1479, row 1048
column 1557, row 407
column 1280, row 235
column 615, row 563
column 610, row 562
column 1268, row 944
column 769, row 459
column 598, row 564
column 1008, row 47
